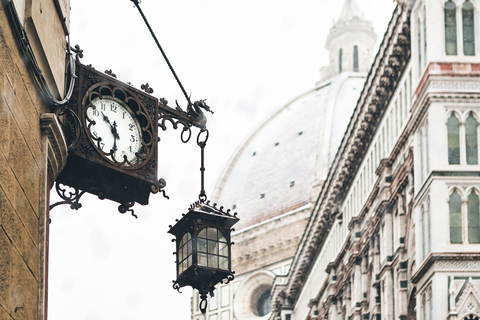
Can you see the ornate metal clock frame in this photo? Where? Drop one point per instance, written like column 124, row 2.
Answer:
column 96, row 171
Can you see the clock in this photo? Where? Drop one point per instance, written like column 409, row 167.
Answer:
column 114, row 130
column 115, row 151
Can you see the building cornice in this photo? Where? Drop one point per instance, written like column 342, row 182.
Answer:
column 443, row 256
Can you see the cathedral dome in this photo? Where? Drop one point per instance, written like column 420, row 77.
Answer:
column 282, row 165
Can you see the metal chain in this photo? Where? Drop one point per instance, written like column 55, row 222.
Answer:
column 161, row 50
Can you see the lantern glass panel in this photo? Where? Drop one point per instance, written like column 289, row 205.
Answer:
column 221, row 237
column 213, row 261
column 223, row 251
column 212, row 247
column 212, row 242
column 212, row 233
column 223, row 263
column 189, row 247
column 184, row 253
column 202, row 259
column 201, row 245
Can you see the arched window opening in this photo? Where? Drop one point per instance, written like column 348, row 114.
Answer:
column 473, row 218
column 455, row 208
column 471, row 139
column 450, row 28
column 453, row 127
column 355, row 58
column 468, row 29
column 340, row 57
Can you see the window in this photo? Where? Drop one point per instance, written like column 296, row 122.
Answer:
column 473, row 208
column 450, row 28
column 453, row 127
column 471, row 139
column 455, row 208
column 264, row 304
column 468, row 29
column 462, row 138
column 464, row 218
column 340, row 57
column 355, row 58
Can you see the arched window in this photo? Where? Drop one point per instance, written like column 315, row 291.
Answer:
column 450, row 28
column 455, row 208
column 340, row 57
column 473, row 218
column 453, row 127
column 468, row 29
column 471, row 139
column 355, row 58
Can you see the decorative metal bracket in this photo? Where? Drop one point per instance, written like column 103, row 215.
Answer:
column 69, row 197
column 194, row 116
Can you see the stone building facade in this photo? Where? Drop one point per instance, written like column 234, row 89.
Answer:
column 33, row 55
column 392, row 224
column 393, row 234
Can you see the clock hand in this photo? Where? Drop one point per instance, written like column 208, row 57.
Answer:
column 112, row 128
column 115, row 137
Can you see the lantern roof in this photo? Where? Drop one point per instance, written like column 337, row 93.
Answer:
column 205, row 213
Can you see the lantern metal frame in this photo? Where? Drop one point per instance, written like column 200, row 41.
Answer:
column 202, row 215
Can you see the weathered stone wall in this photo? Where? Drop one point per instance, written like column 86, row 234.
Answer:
column 22, row 179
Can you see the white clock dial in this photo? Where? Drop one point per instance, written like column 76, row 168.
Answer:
column 117, row 127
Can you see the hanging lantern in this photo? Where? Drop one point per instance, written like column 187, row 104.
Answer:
column 203, row 249
column 203, row 243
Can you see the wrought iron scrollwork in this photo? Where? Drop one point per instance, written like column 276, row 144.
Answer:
column 229, row 278
column 124, row 207
column 70, row 124
column 69, row 197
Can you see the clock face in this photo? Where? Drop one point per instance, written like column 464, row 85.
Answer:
column 114, row 129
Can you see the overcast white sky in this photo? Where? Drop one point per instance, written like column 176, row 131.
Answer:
column 247, row 58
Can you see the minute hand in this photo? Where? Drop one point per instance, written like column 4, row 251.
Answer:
column 112, row 128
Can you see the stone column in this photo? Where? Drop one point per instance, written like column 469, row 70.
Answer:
column 388, row 296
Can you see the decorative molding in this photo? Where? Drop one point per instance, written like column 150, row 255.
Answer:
column 456, row 85
column 458, row 265
column 56, row 145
